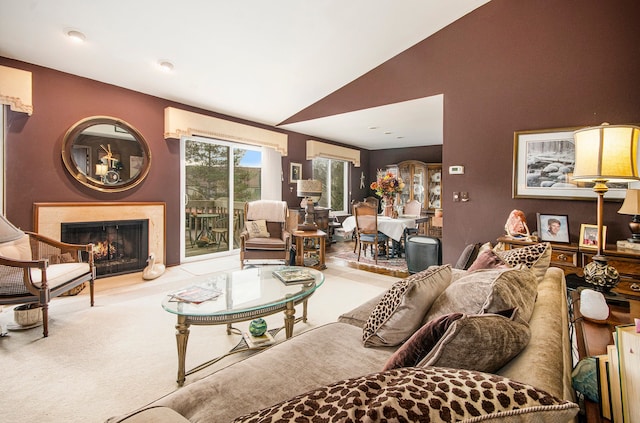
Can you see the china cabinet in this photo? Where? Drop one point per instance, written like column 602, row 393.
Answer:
column 423, row 182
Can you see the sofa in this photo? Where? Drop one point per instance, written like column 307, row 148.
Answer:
column 410, row 354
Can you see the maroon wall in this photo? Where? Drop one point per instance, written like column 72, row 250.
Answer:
column 511, row 66
column 35, row 171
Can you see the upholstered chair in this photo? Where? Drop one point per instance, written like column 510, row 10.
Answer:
column 264, row 236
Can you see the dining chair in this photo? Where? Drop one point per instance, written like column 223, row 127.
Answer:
column 367, row 230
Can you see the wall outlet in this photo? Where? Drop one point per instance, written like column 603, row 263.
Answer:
column 456, row 170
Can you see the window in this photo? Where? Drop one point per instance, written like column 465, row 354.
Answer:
column 334, row 177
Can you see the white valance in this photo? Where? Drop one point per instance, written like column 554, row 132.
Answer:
column 181, row 122
column 330, row 151
column 15, row 89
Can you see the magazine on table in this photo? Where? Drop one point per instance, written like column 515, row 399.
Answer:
column 290, row 276
column 196, row 294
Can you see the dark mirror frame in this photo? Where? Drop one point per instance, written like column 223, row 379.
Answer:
column 115, row 163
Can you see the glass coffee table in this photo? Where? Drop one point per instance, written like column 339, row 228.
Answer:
column 242, row 295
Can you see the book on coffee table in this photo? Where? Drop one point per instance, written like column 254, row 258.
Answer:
column 258, row 341
column 290, row 276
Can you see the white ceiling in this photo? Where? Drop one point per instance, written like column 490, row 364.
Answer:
column 258, row 60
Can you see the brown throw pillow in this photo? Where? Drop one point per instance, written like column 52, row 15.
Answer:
column 399, row 312
column 483, row 342
column 421, row 342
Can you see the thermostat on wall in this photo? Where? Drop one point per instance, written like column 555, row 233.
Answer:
column 456, row 170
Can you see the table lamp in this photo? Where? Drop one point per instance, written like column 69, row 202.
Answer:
column 605, row 153
column 311, row 191
column 631, row 206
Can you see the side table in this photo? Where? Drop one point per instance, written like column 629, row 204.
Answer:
column 592, row 338
column 316, row 236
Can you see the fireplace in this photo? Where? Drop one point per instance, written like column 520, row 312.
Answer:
column 120, row 246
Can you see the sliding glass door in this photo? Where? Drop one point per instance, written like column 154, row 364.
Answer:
column 218, row 179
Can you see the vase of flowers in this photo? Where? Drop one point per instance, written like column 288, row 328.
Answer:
column 386, row 186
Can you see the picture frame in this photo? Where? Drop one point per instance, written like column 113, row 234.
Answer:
column 589, row 236
column 553, row 227
column 543, row 162
column 295, row 172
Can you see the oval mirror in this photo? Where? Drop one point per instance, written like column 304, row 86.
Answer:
column 106, row 154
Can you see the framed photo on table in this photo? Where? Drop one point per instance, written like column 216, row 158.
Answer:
column 589, row 236
column 295, row 172
column 553, row 227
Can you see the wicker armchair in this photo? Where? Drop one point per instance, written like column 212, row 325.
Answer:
column 34, row 268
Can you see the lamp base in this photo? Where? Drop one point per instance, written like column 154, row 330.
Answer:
column 634, row 227
column 599, row 274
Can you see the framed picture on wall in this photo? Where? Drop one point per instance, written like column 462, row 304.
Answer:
column 589, row 236
column 543, row 167
column 553, row 227
column 295, row 172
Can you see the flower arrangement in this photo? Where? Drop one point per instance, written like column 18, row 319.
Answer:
column 387, row 185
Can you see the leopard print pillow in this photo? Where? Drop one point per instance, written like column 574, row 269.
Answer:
column 536, row 257
column 399, row 312
column 412, row 394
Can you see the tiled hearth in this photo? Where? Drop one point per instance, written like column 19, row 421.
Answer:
column 48, row 218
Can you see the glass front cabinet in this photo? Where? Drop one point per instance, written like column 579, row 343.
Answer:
column 423, row 182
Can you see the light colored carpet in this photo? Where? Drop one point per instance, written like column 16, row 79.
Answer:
column 121, row 354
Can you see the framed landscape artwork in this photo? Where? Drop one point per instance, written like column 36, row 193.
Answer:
column 543, row 166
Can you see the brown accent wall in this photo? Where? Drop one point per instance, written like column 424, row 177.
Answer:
column 510, row 66
column 35, row 171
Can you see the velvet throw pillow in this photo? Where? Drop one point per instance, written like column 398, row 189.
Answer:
column 421, row 342
column 413, row 394
column 257, row 229
column 400, row 310
column 494, row 340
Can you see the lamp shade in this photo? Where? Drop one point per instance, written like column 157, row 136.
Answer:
column 631, row 203
column 606, row 153
column 8, row 232
column 309, row 188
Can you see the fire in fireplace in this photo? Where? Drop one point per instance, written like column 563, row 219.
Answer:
column 120, row 246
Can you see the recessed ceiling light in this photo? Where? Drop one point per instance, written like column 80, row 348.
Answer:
column 166, row 66
column 388, row 132
column 373, row 127
column 76, row 36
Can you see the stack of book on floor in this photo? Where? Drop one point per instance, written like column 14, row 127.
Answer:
column 619, row 376
column 258, row 341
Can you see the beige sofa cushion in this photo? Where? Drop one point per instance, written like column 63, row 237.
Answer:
column 420, row 394
column 400, row 311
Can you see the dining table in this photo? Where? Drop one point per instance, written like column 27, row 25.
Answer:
column 394, row 228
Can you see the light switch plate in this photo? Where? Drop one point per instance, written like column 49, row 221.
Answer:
column 456, row 170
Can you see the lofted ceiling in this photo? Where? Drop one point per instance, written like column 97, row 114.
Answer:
column 255, row 60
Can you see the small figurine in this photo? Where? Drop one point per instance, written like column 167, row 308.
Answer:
column 516, row 226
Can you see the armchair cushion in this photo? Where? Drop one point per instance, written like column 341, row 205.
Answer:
column 18, row 249
column 265, row 244
column 58, row 274
column 257, row 229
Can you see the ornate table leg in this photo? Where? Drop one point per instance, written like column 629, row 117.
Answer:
column 289, row 319
column 304, row 310
column 182, row 336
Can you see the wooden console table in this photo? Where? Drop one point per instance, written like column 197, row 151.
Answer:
column 571, row 258
column 592, row 338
